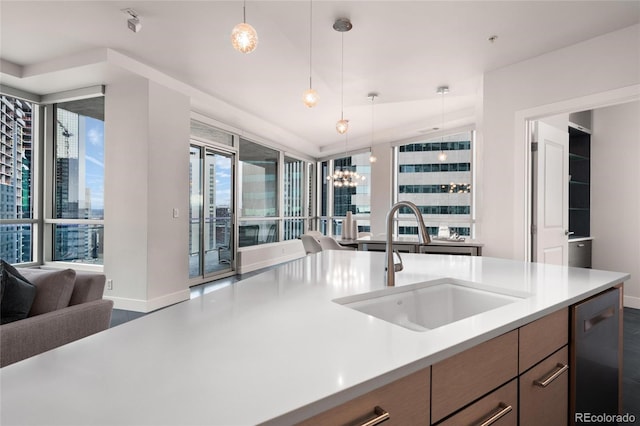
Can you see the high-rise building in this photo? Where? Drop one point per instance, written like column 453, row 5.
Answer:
column 437, row 177
column 15, row 177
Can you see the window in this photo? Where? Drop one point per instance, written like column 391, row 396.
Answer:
column 17, row 221
column 294, row 198
column 78, row 204
column 266, row 215
column 258, row 177
column 335, row 202
column 441, row 190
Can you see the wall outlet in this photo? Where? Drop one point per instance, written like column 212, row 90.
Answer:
column 176, row 213
column 109, row 284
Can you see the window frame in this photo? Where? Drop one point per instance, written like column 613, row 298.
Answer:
column 34, row 222
column 49, row 221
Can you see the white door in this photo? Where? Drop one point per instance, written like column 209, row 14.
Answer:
column 551, row 194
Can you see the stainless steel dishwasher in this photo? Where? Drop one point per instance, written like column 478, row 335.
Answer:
column 596, row 359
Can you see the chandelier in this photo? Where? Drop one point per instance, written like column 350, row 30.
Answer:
column 345, row 178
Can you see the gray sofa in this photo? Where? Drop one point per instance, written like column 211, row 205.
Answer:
column 68, row 306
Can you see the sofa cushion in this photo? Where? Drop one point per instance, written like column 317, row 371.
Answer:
column 16, row 294
column 54, row 289
column 89, row 287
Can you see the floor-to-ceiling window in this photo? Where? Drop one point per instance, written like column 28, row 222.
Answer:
column 294, row 198
column 17, row 190
column 337, row 200
column 76, row 219
column 258, row 202
column 437, row 176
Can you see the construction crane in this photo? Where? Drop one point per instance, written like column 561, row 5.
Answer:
column 67, row 134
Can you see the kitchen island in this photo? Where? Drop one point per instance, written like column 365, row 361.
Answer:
column 275, row 348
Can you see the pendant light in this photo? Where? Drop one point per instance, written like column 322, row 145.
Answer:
column 244, row 37
column 442, row 90
column 342, row 25
column 310, row 96
column 372, row 158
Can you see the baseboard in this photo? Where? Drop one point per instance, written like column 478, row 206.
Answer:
column 631, row 302
column 146, row 306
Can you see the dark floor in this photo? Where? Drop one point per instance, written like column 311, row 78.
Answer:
column 631, row 369
column 631, row 366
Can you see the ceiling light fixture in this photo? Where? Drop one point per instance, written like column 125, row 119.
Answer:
column 345, row 176
column 310, row 96
column 372, row 158
column 244, row 37
column 442, row 90
column 342, row 25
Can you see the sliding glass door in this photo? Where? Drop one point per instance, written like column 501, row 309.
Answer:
column 211, row 241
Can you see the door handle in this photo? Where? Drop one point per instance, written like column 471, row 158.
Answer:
column 607, row 313
column 567, row 232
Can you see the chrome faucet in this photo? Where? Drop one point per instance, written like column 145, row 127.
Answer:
column 390, row 266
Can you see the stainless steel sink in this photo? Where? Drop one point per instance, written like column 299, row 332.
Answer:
column 428, row 305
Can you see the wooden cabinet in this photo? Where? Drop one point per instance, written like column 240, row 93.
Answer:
column 405, row 402
column 542, row 337
column 467, row 376
column 499, row 408
column 544, row 391
column 544, row 376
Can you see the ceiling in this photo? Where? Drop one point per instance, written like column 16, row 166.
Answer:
column 401, row 50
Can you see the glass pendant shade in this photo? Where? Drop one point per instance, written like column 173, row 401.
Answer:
column 244, row 38
column 342, row 126
column 442, row 156
column 310, row 97
column 373, row 158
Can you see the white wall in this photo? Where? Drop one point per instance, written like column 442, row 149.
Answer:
column 595, row 66
column 615, row 194
column 146, row 176
column 381, row 184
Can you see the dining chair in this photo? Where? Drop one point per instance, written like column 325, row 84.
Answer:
column 310, row 243
column 329, row 243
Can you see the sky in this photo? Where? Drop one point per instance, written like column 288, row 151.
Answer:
column 94, row 156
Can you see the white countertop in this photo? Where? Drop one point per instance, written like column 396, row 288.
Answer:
column 273, row 348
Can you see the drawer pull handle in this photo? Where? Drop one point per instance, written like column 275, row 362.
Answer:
column 560, row 368
column 381, row 416
column 581, row 245
column 502, row 410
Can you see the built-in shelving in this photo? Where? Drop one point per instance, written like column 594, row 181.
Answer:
column 579, row 182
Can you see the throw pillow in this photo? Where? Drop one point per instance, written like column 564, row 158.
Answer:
column 16, row 294
column 54, row 289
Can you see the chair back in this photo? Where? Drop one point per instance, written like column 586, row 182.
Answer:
column 329, row 243
column 311, row 245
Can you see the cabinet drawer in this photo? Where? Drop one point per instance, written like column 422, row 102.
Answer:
column 501, row 404
column 542, row 337
column 544, row 392
column 467, row 376
column 580, row 253
column 406, row 400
